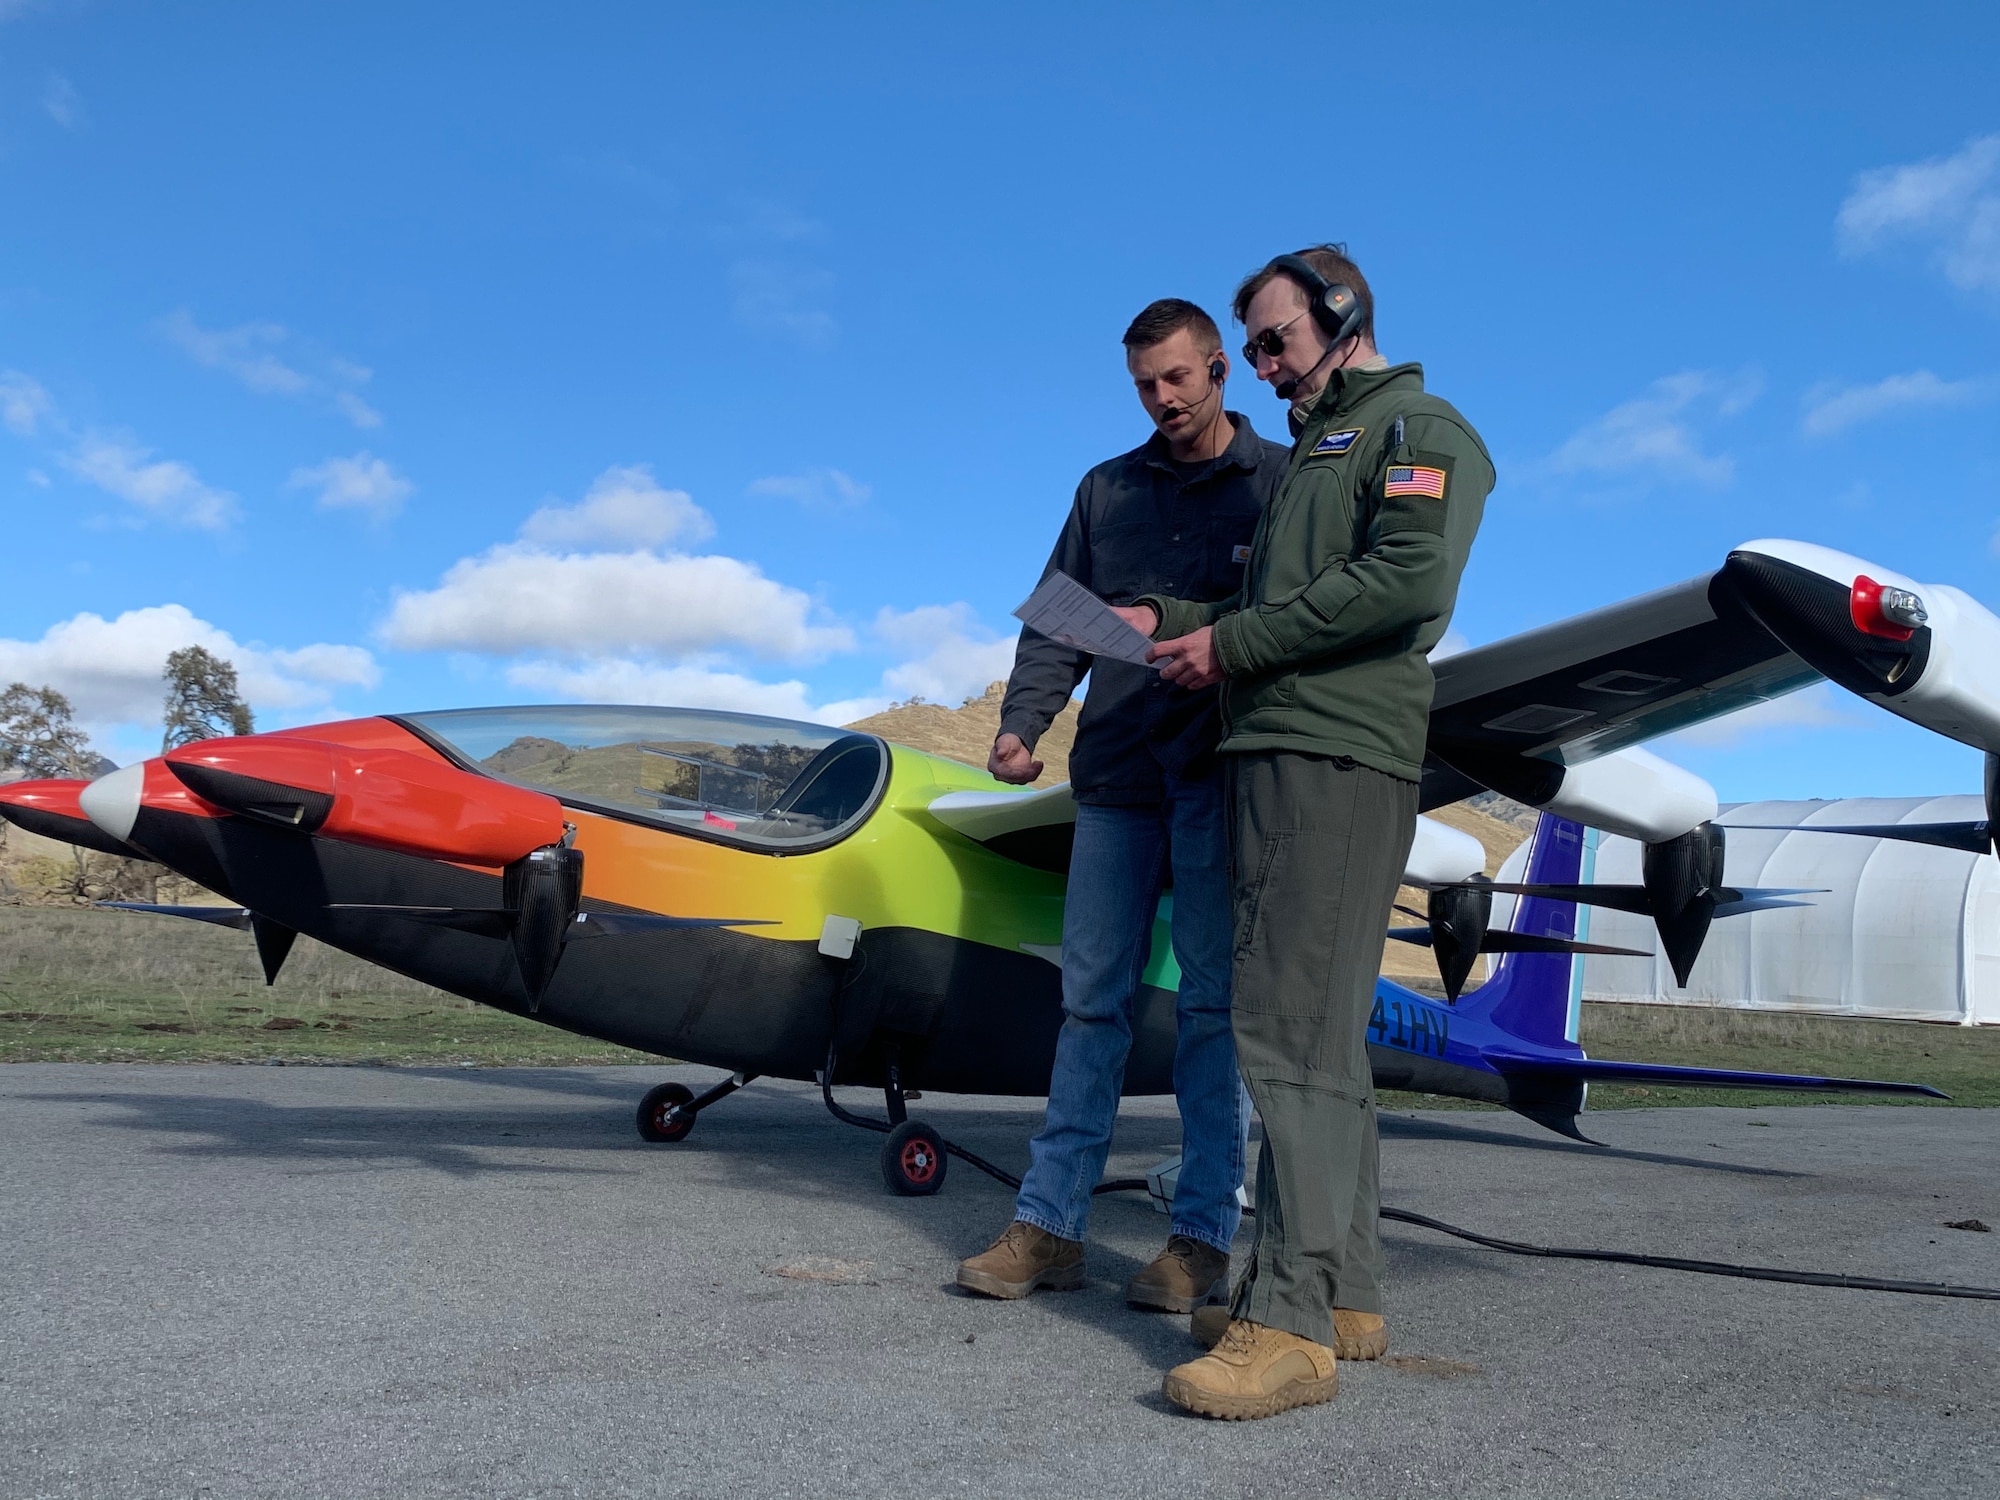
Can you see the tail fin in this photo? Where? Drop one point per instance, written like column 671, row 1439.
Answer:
column 1533, row 995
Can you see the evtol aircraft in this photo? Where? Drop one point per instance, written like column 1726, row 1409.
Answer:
column 785, row 899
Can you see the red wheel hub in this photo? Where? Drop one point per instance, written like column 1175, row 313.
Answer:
column 920, row 1162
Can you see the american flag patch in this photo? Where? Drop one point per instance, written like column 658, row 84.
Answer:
column 1418, row 480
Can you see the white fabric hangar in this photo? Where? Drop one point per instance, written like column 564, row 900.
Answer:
column 1904, row 931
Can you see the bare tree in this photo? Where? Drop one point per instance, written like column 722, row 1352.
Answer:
column 202, row 699
column 39, row 735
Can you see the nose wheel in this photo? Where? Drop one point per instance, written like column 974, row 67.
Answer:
column 667, row 1113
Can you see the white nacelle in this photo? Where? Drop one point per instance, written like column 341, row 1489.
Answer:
column 1441, row 855
column 1958, row 694
column 1635, row 793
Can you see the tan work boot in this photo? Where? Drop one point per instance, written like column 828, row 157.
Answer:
column 1024, row 1259
column 1181, row 1278
column 1254, row 1371
column 1356, row 1335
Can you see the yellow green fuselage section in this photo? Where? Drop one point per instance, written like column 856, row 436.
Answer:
column 900, row 869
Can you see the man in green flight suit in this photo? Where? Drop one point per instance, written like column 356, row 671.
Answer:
column 1326, row 696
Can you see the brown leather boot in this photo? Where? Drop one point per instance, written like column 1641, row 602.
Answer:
column 1181, row 1278
column 1024, row 1259
column 1254, row 1371
column 1356, row 1335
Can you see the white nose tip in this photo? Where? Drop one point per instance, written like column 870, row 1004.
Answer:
column 112, row 801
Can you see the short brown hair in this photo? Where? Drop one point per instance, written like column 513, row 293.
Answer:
column 1331, row 262
column 1161, row 320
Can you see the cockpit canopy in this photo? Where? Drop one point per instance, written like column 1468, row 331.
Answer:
column 737, row 778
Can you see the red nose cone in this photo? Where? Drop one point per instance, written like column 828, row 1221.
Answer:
column 388, row 799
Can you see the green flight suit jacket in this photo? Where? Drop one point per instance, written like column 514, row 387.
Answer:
column 1352, row 577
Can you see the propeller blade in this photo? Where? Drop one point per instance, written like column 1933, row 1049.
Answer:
column 1973, row 838
column 622, row 923
column 238, row 917
column 1743, row 908
column 489, row 921
column 1421, row 936
column 1530, row 942
column 1632, row 898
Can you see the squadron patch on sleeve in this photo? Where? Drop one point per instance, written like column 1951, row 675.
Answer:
column 1414, row 479
column 1336, row 442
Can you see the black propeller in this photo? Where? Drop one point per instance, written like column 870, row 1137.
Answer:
column 274, row 939
column 542, row 894
column 1682, row 892
column 1457, row 933
column 1977, row 836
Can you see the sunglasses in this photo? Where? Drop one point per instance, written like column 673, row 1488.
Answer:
column 1271, row 342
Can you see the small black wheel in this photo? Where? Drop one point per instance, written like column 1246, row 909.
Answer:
column 660, row 1115
column 913, row 1160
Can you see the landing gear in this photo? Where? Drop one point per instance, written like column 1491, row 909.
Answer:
column 662, row 1113
column 913, row 1160
column 668, row 1111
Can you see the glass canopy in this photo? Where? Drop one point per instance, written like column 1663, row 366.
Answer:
column 735, row 777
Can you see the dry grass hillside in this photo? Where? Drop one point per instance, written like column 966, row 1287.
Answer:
column 966, row 734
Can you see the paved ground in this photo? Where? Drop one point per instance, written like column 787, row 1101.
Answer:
column 235, row 1281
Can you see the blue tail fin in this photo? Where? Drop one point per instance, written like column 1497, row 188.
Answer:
column 1533, row 995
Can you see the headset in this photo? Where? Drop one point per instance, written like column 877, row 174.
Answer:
column 1335, row 307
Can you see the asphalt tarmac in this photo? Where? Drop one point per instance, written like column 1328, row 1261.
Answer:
column 301, row 1282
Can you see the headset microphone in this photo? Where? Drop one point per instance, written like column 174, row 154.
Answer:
column 1217, row 370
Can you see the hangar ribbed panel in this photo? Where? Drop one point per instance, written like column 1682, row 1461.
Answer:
column 1904, row 931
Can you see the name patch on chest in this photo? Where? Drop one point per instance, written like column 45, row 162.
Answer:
column 1239, row 554
column 1337, row 442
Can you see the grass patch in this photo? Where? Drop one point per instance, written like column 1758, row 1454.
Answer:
column 78, row 985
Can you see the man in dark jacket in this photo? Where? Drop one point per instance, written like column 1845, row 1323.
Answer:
column 1324, row 660
column 1174, row 516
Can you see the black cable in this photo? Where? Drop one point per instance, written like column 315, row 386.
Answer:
column 1699, row 1267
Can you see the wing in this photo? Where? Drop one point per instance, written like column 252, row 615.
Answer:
column 1512, row 715
column 1031, row 828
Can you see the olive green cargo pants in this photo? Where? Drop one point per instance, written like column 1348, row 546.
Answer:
column 1318, row 848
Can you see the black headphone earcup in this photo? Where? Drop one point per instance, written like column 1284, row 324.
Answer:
column 1216, row 370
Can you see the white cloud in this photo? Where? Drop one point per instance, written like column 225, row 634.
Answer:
column 816, row 489
column 244, row 352
column 1655, row 437
column 1951, row 203
column 1450, row 643
column 23, row 403
column 1829, row 408
column 518, row 598
column 1814, row 707
column 363, row 482
column 60, row 101
column 622, row 681
column 250, row 353
column 948, row 655
column 624, row 507
column 110, row 669
column 164, row 488
column 357, row 411
column 772, row 297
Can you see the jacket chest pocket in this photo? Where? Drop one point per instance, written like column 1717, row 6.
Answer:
column 1119, row 557
column 1317, row 520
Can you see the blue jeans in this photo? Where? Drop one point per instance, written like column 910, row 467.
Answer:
column 1114, row 888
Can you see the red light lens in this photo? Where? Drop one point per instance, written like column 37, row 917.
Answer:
column 1864, row 607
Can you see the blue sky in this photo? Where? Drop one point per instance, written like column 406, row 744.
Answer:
column 426, row 356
